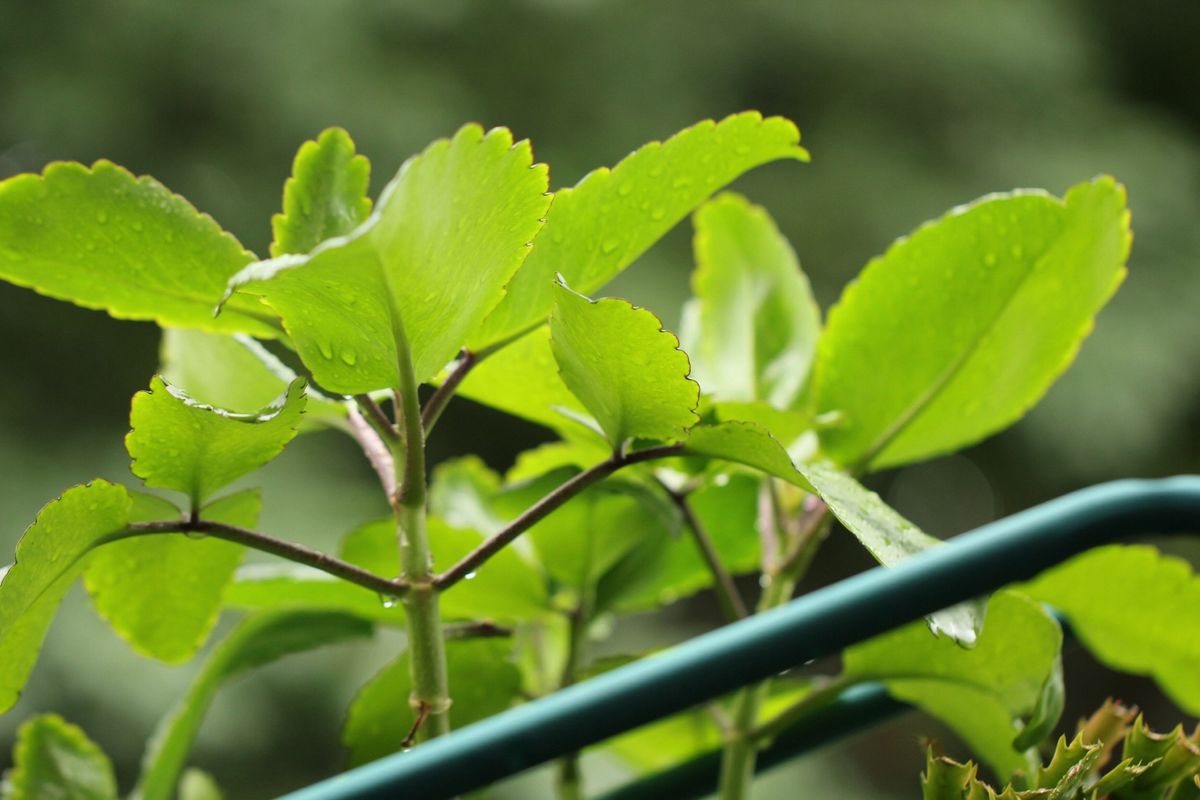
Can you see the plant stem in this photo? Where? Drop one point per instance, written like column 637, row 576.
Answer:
column 542, row 508
column 742, row 742
column 441, row 397
column 426, row 644
column 375, row 448
column 732, row 604
column 819, row 696
column 269, row 544
column 569, row 782
column 741, row 749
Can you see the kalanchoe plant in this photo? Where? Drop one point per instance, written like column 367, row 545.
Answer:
column 672, row 473
column 1089, row 767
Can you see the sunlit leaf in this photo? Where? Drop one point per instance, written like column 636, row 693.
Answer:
column 599, row 227
column 420, row 274
column 101, row 238
column 49, row 558
column 178, row 443
column 958, row 329
column 326, row 195
column 757, row 323
column 274, row 587
column 55, row 760
column 198, row 785
column 626, row 370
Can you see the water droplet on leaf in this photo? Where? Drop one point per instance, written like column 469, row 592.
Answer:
column 349, row 358
column 609, row 245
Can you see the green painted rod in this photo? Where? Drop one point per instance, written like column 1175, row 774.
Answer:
column 818, row 624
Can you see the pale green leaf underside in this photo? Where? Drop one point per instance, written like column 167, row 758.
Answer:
column 55, row 760
column 626, row 370
column 961, row 327
column 101, row 238
column 236, row 373
column 485, row 683
column 429, row 263
column 745, row 443
column 505, row 589
column 49, row 557
column 257, row 641
column 890, row 538
column 178, row 443
column 1136, row 610
column 326, row 195
column 757, row 321
column 163, row 593
column 611, row 217
column 977, row 692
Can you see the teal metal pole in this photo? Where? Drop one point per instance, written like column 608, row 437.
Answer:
column 818, row 624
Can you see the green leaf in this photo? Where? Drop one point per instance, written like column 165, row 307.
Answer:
column 661, row 569
column 198, row 785
column 163, row 593
column 326, row 195
column 49, row 557
column 746, row 443
column 178, row 443
column 236, row 373
column 273, row 587
column 462, row 493
column 626, row 370
column 1136, row 610
column 483, row 682
column 101, row 238
column 890, row 538
column 979, row 692
column 552, row 456
column 757, row 321
column 256, row 641
column 523, row 380
column 1171, row 757
column 961, row 327
column 599, row 227
column 505, row 589
column 1048, row 711
column 55, row 760
column 420, row 274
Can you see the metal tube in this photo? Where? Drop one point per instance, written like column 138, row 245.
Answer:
column 818, row 624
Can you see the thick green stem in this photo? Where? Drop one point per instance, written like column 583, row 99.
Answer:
column 743, row 740
column 741, row 749
column 426, row 643
column 569, row 781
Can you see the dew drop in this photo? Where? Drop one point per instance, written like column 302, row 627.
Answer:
column 658, row 213
column 89, row 246
column 609, row 245
column 349, row 358
column 681, row 182
column 764, row 580
column 194, row 535
column 989, row 259
column 389, row 600
column 102, row 216
column 139, row 227
column 625, row 189
column 742, row 149
column 325, row 349
column 1017, row 251
column 469, row 576
column 656, row 171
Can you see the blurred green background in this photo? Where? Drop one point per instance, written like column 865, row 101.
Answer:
column 909, row 107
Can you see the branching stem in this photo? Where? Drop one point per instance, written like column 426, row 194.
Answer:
column 542, row 508
column 441, row 397
column 732, row 604
column 269, row 544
